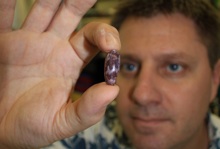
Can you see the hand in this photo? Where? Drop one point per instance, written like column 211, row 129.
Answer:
column 39, row 66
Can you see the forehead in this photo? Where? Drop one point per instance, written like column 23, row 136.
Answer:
column 160, row 34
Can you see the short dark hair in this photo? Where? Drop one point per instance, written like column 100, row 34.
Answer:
column 202, row 12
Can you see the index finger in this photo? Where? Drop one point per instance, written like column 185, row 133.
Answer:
column 7, row 8
column 93, row 38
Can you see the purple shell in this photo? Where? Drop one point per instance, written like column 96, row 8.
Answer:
column 112, row 67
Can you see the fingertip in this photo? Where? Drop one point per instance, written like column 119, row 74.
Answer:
column 104, row 92
column 97, row 97
column 103, row 35
column 111, row 90
column 108, row 39
column 90, row 107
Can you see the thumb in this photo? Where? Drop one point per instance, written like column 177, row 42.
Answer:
column 89, row 109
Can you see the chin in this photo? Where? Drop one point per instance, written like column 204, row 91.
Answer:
column 143, row 141
column 147, row 144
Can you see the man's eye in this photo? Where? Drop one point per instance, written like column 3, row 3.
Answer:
column 174, row 68
column 129, row 69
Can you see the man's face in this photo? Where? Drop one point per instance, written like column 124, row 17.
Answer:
column 166, row 83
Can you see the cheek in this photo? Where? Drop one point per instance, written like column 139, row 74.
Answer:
column 123, row 106
column 123, row 102
column 124, row 86
column 189, row 100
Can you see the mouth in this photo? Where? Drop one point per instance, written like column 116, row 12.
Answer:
column 147, row 124
column 149, row 120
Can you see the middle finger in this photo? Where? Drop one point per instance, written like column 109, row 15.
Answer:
column 68, row 16
column 41, row 15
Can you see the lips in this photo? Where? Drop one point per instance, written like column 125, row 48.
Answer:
column 153, row 120
column 146, row 124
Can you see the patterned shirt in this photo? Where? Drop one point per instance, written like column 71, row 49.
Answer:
column 108, row 134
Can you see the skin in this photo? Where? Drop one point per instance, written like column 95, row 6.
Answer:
column 39, row 66
column 166, row 83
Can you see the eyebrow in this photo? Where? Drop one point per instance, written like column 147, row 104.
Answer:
column 161, row 57
column 129, row 57
column 174, row 55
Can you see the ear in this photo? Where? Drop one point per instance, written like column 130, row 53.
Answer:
column 216, row 80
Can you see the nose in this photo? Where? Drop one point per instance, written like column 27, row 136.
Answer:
column 146, row 89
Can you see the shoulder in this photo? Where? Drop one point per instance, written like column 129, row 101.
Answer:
column 215, row 120
column 214, row 131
